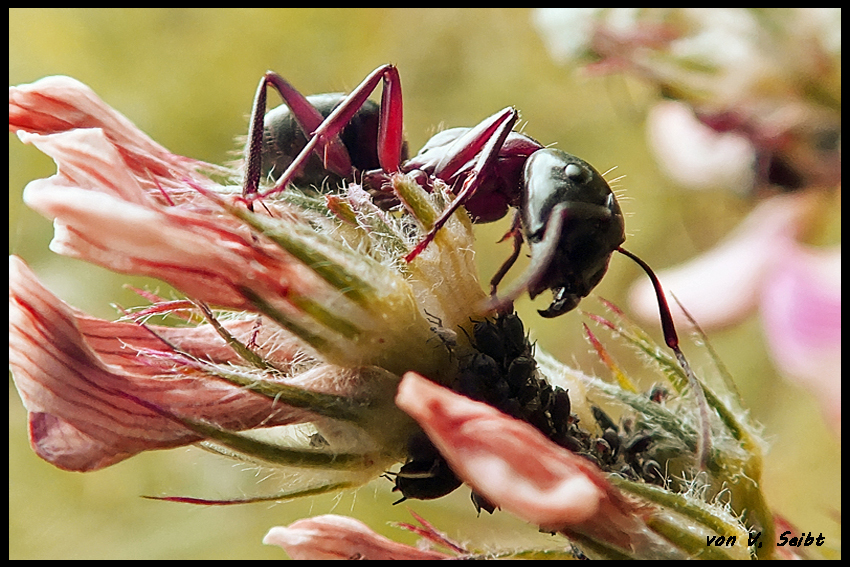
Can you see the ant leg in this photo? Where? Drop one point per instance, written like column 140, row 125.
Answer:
column 389, row 125
column 486, row 141
column 308, row 119
column 254, row 150
column 516, row 233
column 468, row 145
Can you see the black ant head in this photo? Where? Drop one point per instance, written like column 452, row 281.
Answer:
column 572, row 224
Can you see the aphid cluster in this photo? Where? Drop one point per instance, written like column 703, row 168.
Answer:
column 625, row 449
column 503, row 373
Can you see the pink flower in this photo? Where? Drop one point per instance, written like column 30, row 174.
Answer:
column 694, row 155
column 93, row 401
column 55, row 105
column 756, row 110
column 764, row 265
column 315, row 332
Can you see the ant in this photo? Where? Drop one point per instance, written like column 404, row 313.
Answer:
column 565, row 210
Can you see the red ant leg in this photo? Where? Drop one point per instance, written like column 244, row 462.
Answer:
column 485, row 140
column 308, row 118
column 389, row 127
column 516, row 233
column 467, row 146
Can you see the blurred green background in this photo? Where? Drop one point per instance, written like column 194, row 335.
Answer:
column 187, row 77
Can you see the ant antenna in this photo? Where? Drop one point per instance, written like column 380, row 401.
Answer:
column 672, row 340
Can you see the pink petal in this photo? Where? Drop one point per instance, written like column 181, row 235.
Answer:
column 723, row 285
column 801, row 310
column 694, row 155
column 340, row 537
column 516, row 468
column 85, row 414
column 113, row 341
column 110, row 208
column 60, row 104
column 111, row 202
column 103, row 215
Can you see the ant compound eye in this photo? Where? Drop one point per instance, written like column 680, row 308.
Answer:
column 577, row 173
column 573, row 171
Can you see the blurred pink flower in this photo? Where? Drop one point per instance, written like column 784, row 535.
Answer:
column 753, row 106
column 340, row 537
column 696, row 156
column 762, row 266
